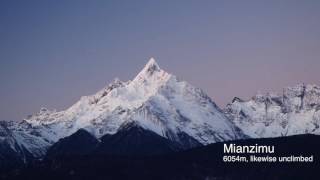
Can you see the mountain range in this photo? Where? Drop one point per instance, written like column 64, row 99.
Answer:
column 156, row 113
column 295, row 111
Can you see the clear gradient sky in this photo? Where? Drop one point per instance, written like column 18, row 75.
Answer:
column 53, row 52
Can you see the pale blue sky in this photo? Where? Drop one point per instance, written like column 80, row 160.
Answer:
column 53, row 52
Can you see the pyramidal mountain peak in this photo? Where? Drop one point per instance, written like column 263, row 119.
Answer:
column 154, row 100
column 151, row 72
column 163, row 105
column 151, row 67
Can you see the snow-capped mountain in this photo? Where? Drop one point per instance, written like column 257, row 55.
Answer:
column 11, row 152
column 154, row 100
column 295, row 111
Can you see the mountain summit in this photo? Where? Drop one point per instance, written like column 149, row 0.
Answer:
column 155, row 110
column 154, row 100
column 151, row 67
column 295, row 111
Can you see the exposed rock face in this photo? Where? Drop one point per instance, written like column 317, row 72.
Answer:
column 296, row 111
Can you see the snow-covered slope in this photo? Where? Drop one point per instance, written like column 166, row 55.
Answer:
column 154, row 99
column 11, row 152
column 295, row 111
column 160, row 102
